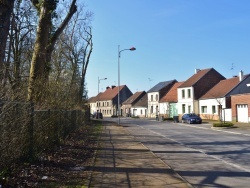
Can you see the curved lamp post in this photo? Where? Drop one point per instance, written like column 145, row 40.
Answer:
column 98, row 91
column 119, row 56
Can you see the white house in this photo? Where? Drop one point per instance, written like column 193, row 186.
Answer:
column 140, row 108
column 155, row 94
column 193, row 88
column 216, row 103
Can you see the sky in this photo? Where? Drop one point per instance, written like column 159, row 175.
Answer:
column 172, row 38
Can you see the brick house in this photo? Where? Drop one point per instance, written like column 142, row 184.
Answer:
column 140, row 108
column 107, row 102
column 216, row 103
column 130, row 102
column 241, row 107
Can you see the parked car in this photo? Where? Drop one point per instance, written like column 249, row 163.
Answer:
column 191, row 118
column 97, row 115
column 94, row 115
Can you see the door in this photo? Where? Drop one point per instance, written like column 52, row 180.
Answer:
column 242, row 113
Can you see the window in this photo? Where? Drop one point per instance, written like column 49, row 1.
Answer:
column 213, row 109
column 183, row 93
column 183, row 108
column 156, row 97
column 151, row 97
column 151, row 110
column 189, row 109
column 189, row 93
column 141, row 112
column 107, row 103
column 204, row 109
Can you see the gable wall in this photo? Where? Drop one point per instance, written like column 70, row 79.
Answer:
column 239, row 99
column 206, row 83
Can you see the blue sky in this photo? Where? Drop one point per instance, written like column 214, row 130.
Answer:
column 172, row 38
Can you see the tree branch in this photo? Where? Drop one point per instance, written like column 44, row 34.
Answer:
column 72, row 10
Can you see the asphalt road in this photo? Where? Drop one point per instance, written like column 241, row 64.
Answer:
column 203, row 156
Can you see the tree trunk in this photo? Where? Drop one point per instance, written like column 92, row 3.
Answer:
column 39, row 55
column 6, row 8
column 44, row 46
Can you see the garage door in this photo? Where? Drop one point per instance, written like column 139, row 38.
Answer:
column 242, row 113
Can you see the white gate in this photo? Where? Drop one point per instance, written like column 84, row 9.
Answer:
column 242, row 113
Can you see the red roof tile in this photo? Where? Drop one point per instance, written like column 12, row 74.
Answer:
column 171, row 95
column 222, row 88
column 196, row 77
column 110, row 93
column 134, row 97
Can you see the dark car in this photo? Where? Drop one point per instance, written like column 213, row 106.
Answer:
column 94, row 115
column 97, row 115
column 191, row 118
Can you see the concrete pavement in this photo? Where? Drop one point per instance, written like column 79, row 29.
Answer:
column 122, row 161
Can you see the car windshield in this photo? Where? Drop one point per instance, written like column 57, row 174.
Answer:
column 192, row 115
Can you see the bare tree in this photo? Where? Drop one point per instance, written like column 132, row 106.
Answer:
column 73, row 52
column 6, row 8
column 45, row 41
column 20, row 44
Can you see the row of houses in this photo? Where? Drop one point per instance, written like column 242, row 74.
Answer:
column 206, row 93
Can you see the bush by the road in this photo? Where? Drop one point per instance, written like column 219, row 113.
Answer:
column 222, row 124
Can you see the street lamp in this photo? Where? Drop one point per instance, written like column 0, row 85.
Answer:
column 119, row 55
column 98, row 92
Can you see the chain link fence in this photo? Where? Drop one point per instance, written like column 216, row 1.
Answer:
column 25, row 133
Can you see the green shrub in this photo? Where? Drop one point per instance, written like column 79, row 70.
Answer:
column 168, row 119
column 221, row 124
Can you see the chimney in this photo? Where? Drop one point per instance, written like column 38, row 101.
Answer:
column 107, row 87
column 196, row 70
column 113, row 87
column 240, row 75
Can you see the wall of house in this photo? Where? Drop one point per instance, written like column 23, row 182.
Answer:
column 206, row 108
column 185, row 103
column 164, row 109
column 139, row 111
column 153, row 104
column 240, row 99
column 106, row 108
column 126, row 110
column 92, row 107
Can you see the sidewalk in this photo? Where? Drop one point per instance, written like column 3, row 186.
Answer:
column 122, row 161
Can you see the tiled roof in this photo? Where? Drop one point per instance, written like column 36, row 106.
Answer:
column 135, row 96
column 196, row 77
column 171, row 95
column 160, row 86
column 222, row 88
column 110, row 93
column 143, row 102
column 92, row 99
